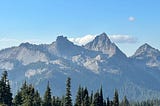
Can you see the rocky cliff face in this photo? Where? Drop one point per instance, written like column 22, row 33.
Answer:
column 98, row 62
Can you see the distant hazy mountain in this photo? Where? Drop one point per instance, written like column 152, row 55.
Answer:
column 99, row 62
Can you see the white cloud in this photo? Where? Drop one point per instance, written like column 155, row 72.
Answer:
column 9, row 42
column 131, row 18
column 114, row 38
column 82, row 40
column 123, row 39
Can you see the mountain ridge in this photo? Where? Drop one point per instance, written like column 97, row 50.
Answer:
column 98, row 62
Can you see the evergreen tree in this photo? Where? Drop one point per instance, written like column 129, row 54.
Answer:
column 79, row 97
column 56, row 101
column 47, row 97
column 116, row 98
column 29, row 96
column 53, row 101
column 8, row 94
column 18, row 99
column 23, row 91
column 96, row 101
column 108, row 102
column 125, row 102
column 104, row 103
column 63, row 101
column 5, row 90
column 111, row 103
column 86, row 98
column 68, row 100
column 37, row 99
column 27, row 101
column 91, row 99
column 101, row 97
column 2, row 86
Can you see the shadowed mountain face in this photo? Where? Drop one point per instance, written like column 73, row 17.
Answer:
column 99, row 62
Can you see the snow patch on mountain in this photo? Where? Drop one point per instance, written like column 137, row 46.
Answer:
column 6, row 65
column 92, row 65
column 98, row 62
column 29, row 56
column 32, row 72
column 113, row 71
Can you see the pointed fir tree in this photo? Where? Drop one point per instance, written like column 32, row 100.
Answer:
column 57, row 102
column 37, row 99
column 108, row 102
column 5, row 90
column 96, row 101
column 101, row 97
column 104, row 103
column 18, row 99
column 8, row 94
column 68, row 100
column 23, row 91
column 47, row 97
column 116, row 98
column 86, row 97
column 53, row 101
column 125, row 102
column 78, row 97
column 91, row 99
column 63, row 101
column 29, row 96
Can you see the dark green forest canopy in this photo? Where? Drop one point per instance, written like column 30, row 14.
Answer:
column 27, row 95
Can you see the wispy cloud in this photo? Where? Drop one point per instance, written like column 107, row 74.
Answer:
column 131, row 18
column 123, row 39
column 114, row 38
column 9, row 42
column 82, row 40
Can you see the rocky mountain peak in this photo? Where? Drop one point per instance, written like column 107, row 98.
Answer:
column 27, row 44
column 102, row 40
column 102, row 43
column 63, row 47
column 62, row 41
column 146, row 50
column 146, row 47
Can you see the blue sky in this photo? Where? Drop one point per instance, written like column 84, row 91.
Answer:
column 41, row 21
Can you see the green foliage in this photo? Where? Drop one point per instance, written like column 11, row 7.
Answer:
column 47, row 97
column 28, row 96
column 56, row 101
column 82, row 98
column 108, row 102
column 101, row 97
column 68, row 100
column 116, row 98
column 79, row 97
column 18, row 99
column 96, row 100
column 125, row 102
column 5, row 90
column 37, row 99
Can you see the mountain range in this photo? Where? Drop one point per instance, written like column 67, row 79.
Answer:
column 99, row 62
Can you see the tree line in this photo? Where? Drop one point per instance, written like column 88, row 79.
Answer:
column 27, row 95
